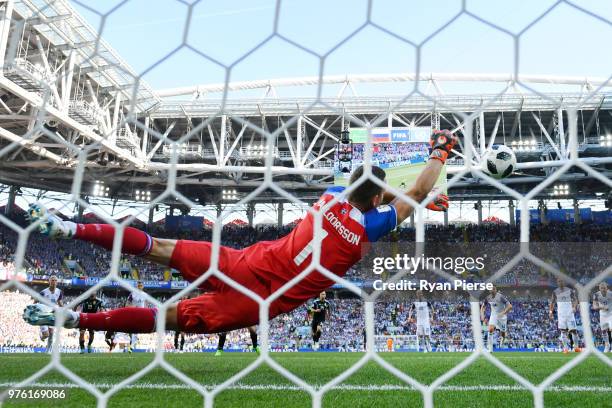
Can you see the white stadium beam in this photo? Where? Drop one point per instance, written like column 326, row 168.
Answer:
column 381, row 78
column 5, row 26
column 36, row 100
column 543, row 129
column 591, row 161
column 31, row 145
column 245, row 169
column 152, row 180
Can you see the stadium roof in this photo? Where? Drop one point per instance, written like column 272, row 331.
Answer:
column 85, row 122
column 67, row 31
column 370, row 105
column 436, row 79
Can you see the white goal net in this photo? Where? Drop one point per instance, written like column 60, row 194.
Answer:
column 75, row 114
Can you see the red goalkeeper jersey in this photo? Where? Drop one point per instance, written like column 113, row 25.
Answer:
column 345, row 231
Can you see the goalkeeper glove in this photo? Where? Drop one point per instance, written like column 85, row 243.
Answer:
column 441, row 143
column 440, row 203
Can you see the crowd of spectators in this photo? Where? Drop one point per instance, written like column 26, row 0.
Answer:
column 529, row 324
column 69, row 258
column 580, row 257
column 528, row 327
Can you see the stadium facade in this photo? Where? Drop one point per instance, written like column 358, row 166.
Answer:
column 105, row 123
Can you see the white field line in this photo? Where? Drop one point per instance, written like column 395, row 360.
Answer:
column 343, row 387
column 310, row 355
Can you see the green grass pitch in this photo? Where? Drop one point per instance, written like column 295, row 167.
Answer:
column 408, row 174
column 480, row 385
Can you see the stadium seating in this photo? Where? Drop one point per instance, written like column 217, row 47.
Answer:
column 47, row 257
column 528, row 327
column 528, row 322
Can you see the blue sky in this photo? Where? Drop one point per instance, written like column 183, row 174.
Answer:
column 565, row 42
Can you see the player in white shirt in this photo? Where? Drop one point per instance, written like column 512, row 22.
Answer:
column 424, row 312
column 135, row 300
column 498, row 318
column 54, row 295
column 602, row 301
column 566, row 301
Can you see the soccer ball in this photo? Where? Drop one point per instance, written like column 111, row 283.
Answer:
column 500, row 162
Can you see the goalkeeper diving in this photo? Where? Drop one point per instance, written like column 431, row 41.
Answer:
column 361, row 216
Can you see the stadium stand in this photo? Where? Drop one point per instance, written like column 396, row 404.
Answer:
column 529, row 327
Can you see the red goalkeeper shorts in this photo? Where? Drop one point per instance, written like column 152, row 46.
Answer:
column 223, row 308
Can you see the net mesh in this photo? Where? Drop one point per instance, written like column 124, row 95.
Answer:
column 50, row 106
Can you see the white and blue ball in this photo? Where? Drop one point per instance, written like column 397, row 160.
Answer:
column 499, row 162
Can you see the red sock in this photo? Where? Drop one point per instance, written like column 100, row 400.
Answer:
column 125, row 320
column 135, row 242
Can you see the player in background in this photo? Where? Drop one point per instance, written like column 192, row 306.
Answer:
column 320, row 311
column 365, row 339
column 424, row 316
column 395, row 311
column 109, row 338
column 179, row 335
column 498, row 318
column 135, row 299
column 223, row 337
column 602, row 300
column 351, row 220
column 178, row 346
column 565, row 299
column 54, row 295
column 89, row 305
